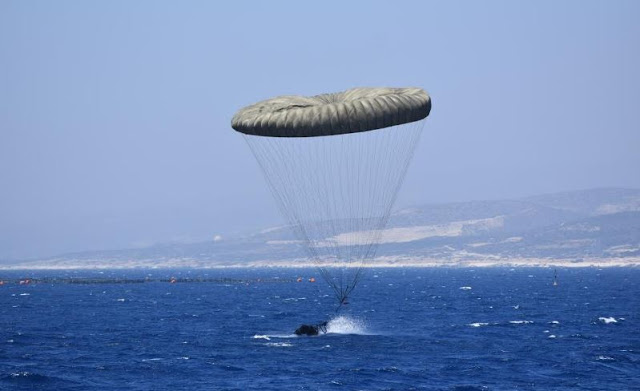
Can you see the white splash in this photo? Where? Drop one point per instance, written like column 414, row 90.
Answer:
column 520, row 321
column 259, row 336
column 465, row 288
column 608, row 320
column 479, row 324
column 345, row 325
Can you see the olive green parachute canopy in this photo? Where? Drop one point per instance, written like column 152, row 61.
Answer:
column 336, row 192
column 350, row 111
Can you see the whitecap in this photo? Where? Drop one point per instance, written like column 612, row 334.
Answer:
column 282, row 336
column 605, row 358
column 520, row 321
column 279, row 344
column 20, row 374
column 120, row 300
column 554, row 322
column 607, row 320
column 552, row 336
column 479, row 324
column 465, row 288
column 25, row 294
column 260, row 336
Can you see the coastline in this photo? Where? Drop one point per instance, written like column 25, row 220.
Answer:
column 380, row 262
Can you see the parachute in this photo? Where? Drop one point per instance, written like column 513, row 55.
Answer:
column 334, row 163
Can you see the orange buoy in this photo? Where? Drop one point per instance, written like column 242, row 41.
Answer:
column 299, row 279
column 312, row 279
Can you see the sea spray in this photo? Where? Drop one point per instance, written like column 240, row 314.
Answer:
column 346, row 325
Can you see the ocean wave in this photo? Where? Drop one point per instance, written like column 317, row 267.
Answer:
column 151, row 359
column 607, row 320
column 279, row 344
column 25, row 377
column 483, row 324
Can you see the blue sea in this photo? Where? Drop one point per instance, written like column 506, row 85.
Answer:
column 403, row 329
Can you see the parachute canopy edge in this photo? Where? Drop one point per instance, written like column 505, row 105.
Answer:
column 351, row 111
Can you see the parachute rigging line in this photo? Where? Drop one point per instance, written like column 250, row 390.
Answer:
column 336, row 192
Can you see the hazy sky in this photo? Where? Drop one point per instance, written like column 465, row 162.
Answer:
column 114, row 115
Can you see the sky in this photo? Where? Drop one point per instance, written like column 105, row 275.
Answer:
column 115, row 115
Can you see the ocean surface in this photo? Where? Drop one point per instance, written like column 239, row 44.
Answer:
column 422, row 329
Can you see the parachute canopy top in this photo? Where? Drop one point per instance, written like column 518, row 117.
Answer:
column 350, row 111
